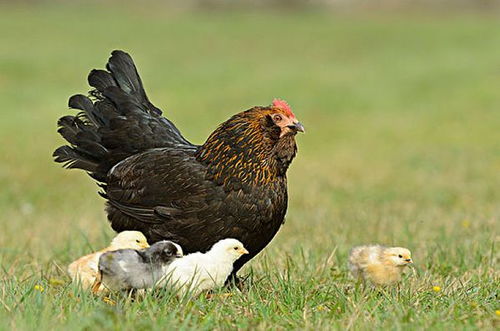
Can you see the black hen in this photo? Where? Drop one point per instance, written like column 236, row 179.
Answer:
column 157, row 182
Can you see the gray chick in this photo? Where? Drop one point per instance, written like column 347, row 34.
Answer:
column 126, row 269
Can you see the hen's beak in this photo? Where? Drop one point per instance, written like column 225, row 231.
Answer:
column 297, row 126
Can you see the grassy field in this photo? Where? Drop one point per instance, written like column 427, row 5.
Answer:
column 402, row 148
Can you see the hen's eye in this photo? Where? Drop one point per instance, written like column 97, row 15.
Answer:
column 400, row 256
column 235, row 248
column 277, row 118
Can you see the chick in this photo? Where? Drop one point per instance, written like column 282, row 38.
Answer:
column 378, row 264
column 198, row 272
column 84, row 270
column 127, row 269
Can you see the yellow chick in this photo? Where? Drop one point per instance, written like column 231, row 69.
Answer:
column 378, row 264
column 84, row 270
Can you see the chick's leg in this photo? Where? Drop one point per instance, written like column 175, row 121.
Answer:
column 97, row 283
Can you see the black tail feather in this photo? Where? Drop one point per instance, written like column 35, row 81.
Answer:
column 123, row 70
column 73, row 159
column 119, row 98
column 101, row 79
column 79, row 101
column 68, row 128
column 119, row 123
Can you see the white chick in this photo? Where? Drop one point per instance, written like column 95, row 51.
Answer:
column 378, row 264
column 84, row 270
column 199, row 272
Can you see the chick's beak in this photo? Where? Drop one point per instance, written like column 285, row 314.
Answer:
column 144, row 245
column 243, row 251
column 409, row 261
column 179, row 255
column 297, row 126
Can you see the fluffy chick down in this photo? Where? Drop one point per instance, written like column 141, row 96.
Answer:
column 127, row 269
column 199, row 272
column 84, row 269
column 379, row 265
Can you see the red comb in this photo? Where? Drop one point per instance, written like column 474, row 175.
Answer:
column 282, row 104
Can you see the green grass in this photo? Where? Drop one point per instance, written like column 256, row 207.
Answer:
column 402, row 148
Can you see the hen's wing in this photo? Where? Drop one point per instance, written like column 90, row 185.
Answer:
column 163, row 193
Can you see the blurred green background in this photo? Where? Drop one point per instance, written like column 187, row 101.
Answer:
column 401, row 108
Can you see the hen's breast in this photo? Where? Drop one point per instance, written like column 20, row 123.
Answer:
column 254, row 217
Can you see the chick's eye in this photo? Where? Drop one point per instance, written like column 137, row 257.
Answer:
column 400, row 256
column 277, row 118
column 235, row 248
column 137, row 241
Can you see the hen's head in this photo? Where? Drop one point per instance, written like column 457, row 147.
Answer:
column 279, row 115
column 253, row 146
